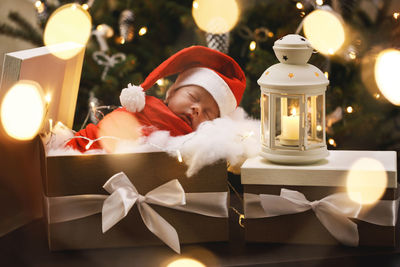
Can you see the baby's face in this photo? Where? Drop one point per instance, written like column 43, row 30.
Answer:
column 193, row 104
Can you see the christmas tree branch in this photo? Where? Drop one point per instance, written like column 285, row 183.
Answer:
column 27, row 27
column 10, row 31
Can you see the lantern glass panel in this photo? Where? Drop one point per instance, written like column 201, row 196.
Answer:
column 287, row 121
column 315, row 119
column 265, row 119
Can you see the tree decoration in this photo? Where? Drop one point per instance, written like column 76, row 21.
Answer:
column 126, row 28
column 107, row 61
column 216, row 18
column 217, row 41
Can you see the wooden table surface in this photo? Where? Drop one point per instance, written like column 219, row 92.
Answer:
column 27, row 246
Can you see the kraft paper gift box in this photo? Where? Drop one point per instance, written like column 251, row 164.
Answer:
column 20, row 181
column 310, row 204
column 68, row 180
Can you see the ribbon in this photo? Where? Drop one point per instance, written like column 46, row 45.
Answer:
column 107, row 61
column 334, row 211
column 123, row 195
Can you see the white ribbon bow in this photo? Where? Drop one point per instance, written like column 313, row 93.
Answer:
column 124, row 195
column 107, row 61
column 333, row 212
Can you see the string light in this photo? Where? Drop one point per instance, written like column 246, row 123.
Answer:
column 252, row 45
column 302, row 14
column 85, row 6
column 319, row 128
column 270, row 34
column 332, row 142
column 179, row 155
column 326, row 74
column 47, row 99
column 319, row 2
column 143, row 31
column 160, row 82
column 396, row 15
column 120, row 40
column 39, row 6
column 195, row 4
column 352, row 55
column 247, row 135
column 377, row 95
column 349, row 109
column 299, row 5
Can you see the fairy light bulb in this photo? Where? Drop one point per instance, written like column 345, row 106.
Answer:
column 143, row 31
column 299, row 5
column 215, row 17
column 252, row 45
column 326, row 74
column 396, row 15
column 319, row 2
column 349, row 109
column 332, row 142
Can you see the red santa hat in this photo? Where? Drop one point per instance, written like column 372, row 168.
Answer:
column 216, row 72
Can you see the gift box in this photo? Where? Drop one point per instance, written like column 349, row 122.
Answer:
column 141, row 205
column 319, row 204
column 20, row 179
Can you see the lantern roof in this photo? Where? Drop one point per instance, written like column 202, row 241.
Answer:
column 293, row 72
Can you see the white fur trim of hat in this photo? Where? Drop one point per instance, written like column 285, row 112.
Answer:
column 210, row 81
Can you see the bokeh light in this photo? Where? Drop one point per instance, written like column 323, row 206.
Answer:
column 23, row 110
column 324, row 29
column 215, row 16
column 366, row 181
column 252, row 45
column 185, row 262
column 121, row 126
column 387, row 74
column 68, row 23
column 143, row 31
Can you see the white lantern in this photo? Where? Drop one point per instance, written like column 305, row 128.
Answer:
column 293, row 105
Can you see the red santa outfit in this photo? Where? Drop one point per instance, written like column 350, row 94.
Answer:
column 214, row 71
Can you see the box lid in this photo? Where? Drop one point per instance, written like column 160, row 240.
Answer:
column 332, row 171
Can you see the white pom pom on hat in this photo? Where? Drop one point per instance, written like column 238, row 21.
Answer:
column 226, row 86
column 133, row 98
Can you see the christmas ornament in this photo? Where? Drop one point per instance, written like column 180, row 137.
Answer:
column 257, row 36
column 102, row 32
column 126, row 28
column 107, row 61
column 219, row 42
column 293, row 105
column 387, row 76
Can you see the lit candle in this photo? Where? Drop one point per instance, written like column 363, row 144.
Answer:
column 290, row 127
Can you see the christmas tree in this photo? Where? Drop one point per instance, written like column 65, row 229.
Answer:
column 144, row 33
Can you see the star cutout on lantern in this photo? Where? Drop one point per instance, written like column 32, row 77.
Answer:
column 302, row 39
column 291, row 75
column 285, row 58
column 281, row 38
column 316, row 74
column 267, row 73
